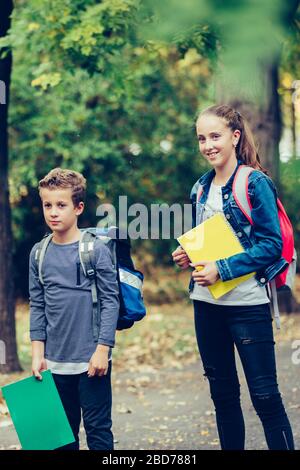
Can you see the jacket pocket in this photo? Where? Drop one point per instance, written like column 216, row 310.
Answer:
column 238, row 215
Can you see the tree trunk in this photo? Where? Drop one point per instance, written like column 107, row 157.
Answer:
column 263, row 115
column 264, row 118
column 8, row 349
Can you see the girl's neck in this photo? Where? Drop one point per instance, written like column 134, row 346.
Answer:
column 224, row 173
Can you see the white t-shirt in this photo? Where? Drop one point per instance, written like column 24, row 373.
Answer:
column 68, row 368
column 248, row 292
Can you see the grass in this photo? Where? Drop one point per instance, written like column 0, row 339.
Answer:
column 166, row 333
column 165, row 337
column 23, row 340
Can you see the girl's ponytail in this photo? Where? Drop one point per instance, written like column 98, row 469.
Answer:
column 246, row 148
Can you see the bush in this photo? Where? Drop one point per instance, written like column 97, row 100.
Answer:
column 290, row 179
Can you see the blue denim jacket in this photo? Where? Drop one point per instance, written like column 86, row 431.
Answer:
column 262, row 241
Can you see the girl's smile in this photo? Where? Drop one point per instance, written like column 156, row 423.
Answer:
column 217, row 142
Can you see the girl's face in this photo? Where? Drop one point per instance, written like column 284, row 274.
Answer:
column 216, row 140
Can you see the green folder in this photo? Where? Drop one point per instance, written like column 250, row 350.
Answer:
column 37, row 413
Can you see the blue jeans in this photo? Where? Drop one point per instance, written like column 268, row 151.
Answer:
column 93, row 396
column 249, row 328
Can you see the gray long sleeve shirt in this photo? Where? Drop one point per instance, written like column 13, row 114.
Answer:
column 61, row 310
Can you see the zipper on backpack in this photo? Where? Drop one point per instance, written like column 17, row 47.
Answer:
column 78, row 274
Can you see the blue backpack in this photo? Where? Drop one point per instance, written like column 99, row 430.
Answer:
column 130, row 280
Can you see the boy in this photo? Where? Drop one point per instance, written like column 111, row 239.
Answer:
column 61, row 313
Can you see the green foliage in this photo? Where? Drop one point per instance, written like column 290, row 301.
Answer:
column 249, row 34
column 88, row 94
column 67, row 34
column 290, row 180
column 91, row 91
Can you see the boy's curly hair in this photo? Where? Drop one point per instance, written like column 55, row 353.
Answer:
column 63, row 178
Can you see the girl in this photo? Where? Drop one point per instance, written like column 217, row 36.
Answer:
column 241, row 317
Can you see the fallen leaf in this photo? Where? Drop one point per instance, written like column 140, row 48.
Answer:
column 123, row 409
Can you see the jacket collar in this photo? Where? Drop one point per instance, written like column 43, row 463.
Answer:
column 207, row 178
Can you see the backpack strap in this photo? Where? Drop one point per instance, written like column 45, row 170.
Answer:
column 275, row 303
column 40, row 254
column 86, row 251
column 86, row 256
column 199, row 192
column 198, row 210
column 242, row 199
column 240, row 190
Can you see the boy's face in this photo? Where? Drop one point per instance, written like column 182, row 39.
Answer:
column 59, row 211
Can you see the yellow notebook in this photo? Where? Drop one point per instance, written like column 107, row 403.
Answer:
column 212, row 240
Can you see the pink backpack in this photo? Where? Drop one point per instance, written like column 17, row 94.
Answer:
column 242, row 199
column 241, row 196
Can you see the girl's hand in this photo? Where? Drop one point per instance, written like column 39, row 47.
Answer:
column 181, row 258
column 208, row 275
column 99, row 361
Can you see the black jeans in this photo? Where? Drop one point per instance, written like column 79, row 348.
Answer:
column 93, row 396
column 249, row 328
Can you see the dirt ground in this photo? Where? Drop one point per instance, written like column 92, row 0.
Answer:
column 170, row 408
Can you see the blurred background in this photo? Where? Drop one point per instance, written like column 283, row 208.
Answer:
column 111, row 89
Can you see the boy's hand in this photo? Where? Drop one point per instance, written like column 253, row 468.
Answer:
column 99, row 361
column 208, row 275
column 38, row 365
column 181, row 258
